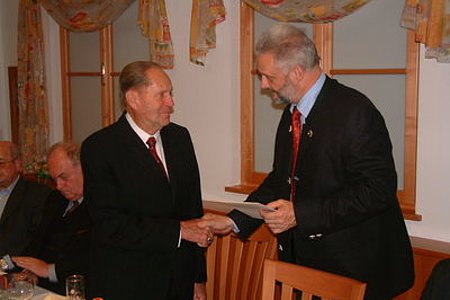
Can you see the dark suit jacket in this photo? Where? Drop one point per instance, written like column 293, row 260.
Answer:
column 21, row 216
column 348, row 217
column 137, row 213
column 63, row 240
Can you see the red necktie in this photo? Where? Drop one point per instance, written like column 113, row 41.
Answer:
column 151, row 142
column 296, row 133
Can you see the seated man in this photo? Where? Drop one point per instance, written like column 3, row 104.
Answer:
column 21, row 202
column 60, row 247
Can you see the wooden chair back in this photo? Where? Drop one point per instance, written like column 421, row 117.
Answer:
column 310, row 282
column 235, row 267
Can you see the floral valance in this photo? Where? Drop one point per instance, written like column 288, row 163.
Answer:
column 308, row 11
column 85, row 15
column 431, row 21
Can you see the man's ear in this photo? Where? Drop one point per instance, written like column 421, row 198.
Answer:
column 131, row 98
column 296, row 74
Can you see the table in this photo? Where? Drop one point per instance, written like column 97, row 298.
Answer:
column 43, row 294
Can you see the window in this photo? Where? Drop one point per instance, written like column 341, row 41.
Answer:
column 330, row 42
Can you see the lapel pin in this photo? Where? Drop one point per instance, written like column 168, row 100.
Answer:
column 309, row 133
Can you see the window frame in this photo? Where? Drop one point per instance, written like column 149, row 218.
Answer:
column 323, row 38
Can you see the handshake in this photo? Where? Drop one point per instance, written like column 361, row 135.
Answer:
column 202, row 231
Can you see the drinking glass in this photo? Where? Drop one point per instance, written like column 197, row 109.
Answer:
column 20, row 289
column 75, row 287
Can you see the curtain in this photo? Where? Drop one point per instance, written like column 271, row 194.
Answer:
column 206, row 14
column 32, row 98
column 154, row 25
column 85, row 15
column 308, row 11
column 430, row 19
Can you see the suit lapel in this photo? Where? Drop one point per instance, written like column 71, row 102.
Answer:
column 170, row 158
column 139, row 153
column 310, row 126
column 13, row 201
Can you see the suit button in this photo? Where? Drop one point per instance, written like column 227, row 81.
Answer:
column 280, row 247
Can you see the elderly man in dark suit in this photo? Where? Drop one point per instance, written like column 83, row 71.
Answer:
column 143, row 189
column 60, row 246
column 21, row 202
column 335, row 198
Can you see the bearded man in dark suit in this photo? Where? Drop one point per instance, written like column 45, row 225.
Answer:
column 21, row 202
column 145, row 209
column 335, row 208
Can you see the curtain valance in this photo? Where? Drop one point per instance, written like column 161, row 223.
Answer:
column 85, row 15
column 308, row 11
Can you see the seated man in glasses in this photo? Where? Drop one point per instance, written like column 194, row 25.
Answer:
column 21, row 203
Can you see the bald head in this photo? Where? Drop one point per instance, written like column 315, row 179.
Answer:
column 10, row 163
column 65, row 169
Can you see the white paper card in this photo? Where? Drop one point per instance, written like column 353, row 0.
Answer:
column 248, row 208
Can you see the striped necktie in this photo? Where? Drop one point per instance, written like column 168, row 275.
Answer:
column 151, row 142
column 296, row 133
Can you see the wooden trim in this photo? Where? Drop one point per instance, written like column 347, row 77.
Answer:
column 65, row 83
column 106, row 78
column 407, row 197
column 13, row 104
column 84, row 74
column 247, row 88
column 367, row 71
column 323, row 39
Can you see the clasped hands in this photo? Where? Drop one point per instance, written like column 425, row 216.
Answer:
column 202, row 230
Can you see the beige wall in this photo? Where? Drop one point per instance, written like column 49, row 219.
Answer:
column 207, row 102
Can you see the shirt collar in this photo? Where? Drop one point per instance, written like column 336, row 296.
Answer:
column 9, row 189
column 307, row 101
column 144, row 136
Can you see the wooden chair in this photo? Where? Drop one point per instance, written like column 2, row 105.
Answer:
column 309, row 281
column 234, row 267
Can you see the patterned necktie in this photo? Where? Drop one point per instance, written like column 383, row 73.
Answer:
column 296, row 133
column 151, row 142
column 71, row 207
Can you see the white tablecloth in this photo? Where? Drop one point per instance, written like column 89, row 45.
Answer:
column 43, row 294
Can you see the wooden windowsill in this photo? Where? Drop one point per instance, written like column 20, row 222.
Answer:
column 430, row 245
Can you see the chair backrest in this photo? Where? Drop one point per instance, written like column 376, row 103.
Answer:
column 309, row 281
column 234, row 267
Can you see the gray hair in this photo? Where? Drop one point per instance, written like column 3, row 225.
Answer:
column 71, row 149
column 133, row 76
column 289, row 45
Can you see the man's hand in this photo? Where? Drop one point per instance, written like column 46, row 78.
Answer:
column 200, row 291
column 37, row 266
column 218, row 224
column 193, row 232
column 282, row 219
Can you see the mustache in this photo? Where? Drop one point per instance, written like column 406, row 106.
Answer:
column 279, row 99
